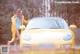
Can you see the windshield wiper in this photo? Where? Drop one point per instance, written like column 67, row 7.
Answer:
column 35, row 28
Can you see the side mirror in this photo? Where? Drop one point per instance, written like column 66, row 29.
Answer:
column 73, row 27
column 22, row 27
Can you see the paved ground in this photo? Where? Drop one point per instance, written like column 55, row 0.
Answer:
column 57, row 50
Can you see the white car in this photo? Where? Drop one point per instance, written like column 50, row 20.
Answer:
column 46, row 32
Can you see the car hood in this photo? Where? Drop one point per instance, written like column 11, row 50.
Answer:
column 38, row 36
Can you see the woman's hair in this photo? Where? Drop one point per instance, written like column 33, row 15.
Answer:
column 19, row 13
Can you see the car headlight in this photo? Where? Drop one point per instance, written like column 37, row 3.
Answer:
column 68, row 37
column 26, row 37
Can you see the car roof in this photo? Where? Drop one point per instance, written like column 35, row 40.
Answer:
column 35, row 18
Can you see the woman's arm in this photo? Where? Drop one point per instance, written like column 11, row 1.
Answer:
column 24, row 21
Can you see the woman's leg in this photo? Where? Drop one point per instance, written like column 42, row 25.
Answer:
column 18, row 35
column 12, row 40
column 17, row 38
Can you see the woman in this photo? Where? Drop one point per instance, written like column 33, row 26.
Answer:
column 17, row 21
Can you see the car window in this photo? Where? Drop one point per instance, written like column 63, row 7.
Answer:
column 47, row 23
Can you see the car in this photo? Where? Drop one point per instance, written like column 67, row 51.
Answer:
column 47, row 32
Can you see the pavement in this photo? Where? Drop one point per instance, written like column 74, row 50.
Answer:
column 29, row 50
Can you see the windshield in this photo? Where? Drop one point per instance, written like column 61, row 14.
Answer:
column 47, row 23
